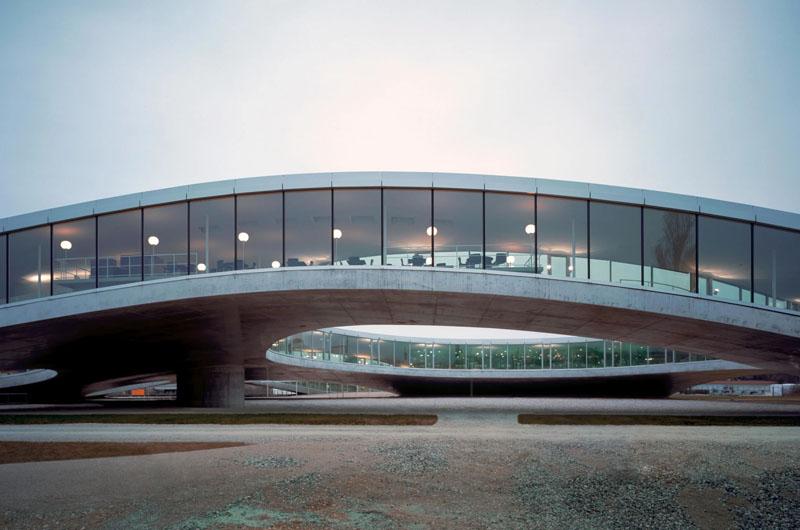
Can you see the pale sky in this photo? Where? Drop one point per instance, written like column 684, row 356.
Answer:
column 104, row 98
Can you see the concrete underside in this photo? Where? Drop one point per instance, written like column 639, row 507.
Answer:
column 230, row 319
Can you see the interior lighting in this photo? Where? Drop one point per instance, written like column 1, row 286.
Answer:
column 510, row 260
column 201, row 267
column 431, row 231
column 153, row 241
column 66, row 245
column 244, row 237
column 429, row 261
column 530, row 229
column 337, row 234
column 276, row 264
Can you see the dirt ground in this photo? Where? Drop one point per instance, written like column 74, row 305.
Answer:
column 460, row 475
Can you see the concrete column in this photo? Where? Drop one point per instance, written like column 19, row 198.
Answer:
column 213, row 386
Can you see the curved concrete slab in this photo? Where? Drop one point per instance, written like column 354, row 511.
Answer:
column 234, row 317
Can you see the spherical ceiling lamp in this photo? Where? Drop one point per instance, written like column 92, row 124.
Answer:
column 530, row 229
column 337, row 234
column 153, row 241
column 244, row 237
column 201, row 267
column 510, row 259
column 431, row 231
column 66, row 245
column 276, row 264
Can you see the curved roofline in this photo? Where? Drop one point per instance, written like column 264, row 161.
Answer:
column 398, row 179
column 566, row 339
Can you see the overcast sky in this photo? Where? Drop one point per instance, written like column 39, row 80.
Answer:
column 104, row 98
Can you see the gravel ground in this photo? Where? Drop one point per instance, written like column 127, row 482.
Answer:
column 478, row 470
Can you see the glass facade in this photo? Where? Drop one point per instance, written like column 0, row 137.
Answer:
column 166, row 246
column 259, row 227
column 29, row 264
column 74, row 256
column 623, row 244
column 119, row 248
column 309, row 233
column 212, row 235
column 776, row 254
column 561, row 234
column 357, row 227
column 723, row 255
column 616, row 243
column 510, row 231
column 669, row 250
column 407, row 227
column 458, row 229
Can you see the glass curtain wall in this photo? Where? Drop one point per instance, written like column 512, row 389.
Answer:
column 561, row 237
column 616, row 243
column 669, row 250
column 776, row 254
column 3, row 272
column 119, row 247
column 458, row 229
column 166, row 249
column 259, row 226
column 74, row 256
column 212, row 235
column 723, row 253
column 357, row 227
column 510, row 231
column 309, row 233
column 407, row 227
column 29, row 264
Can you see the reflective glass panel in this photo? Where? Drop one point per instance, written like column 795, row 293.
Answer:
column 165, row 241
column 669, row 250
column 533, row 356
column 458, row 229
column 402, row 354
column 558, row 355
column 441, row 356
column 260, row 230
column 357, row 227
column 407, row 225
column 594, row 354
column 119, row 246
column 510, row 231
column 308, row 228
column 616, row 243
column 3, row 289
column 474, row 357
column 418, row 354
column 723, row 252
column 777, row 269
column 561, row 236
column 458, row 355
column 577, row 355
column 639, row 354
column 211, row 235
column 74, row 256
column 516, row 354
column 29, row 264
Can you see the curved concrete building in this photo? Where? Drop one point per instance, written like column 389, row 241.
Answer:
column 534, row 365
column 201, row 280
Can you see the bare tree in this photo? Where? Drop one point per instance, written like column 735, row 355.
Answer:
column 675, row 249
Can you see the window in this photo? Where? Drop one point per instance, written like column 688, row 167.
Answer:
column 516, row 354
column 458, row 356
column 29, row 264
column 510, row 232
column 777, row 255
column 533, row 356
column 308, row 228
column 475, row 357
column 165, row 241
column 458, row 229
column 723, row 252
column 669, row 250
column 119, row 246
column 558, row 355
column 577, row 355
column 616, row 243
column 3, row 270
column 357, row 227
column 74, row 256
column 594, row 354
column 561, row 237
column 211, row 235
column 260, row 230
column 408, row 228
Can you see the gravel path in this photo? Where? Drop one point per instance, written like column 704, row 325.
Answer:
column 475, row 469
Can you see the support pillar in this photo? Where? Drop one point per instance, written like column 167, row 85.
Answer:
column 213, row 386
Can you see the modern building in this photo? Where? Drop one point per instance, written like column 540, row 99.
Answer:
column 200, row 280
